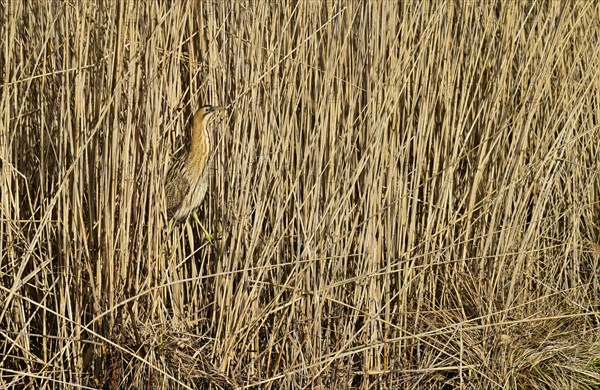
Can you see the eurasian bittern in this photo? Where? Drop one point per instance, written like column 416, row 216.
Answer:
column 187, row 179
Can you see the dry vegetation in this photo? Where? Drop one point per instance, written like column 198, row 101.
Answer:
column 407, row 195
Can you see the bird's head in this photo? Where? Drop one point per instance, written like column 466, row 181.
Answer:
column 204, row 113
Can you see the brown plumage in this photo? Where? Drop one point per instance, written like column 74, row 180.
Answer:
column 187, row 179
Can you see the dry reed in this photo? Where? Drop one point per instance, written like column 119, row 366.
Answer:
column 407, row 194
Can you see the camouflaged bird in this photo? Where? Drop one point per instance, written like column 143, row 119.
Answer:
column 187, row 179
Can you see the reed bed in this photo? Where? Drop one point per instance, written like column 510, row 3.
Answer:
column 406, row 194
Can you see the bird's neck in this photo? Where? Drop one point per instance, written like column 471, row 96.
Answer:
column 199, row 142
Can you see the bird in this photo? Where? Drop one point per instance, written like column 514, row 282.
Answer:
column 187, row 179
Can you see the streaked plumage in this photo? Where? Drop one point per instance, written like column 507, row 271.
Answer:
column 187, row 179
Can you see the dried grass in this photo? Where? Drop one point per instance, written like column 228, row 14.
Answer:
column 407, row 194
